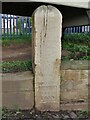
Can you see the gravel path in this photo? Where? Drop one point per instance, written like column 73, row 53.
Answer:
column 37, row 115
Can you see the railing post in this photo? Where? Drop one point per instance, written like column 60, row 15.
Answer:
column 22, row 25
column 7, row 25
column 16, row 25
column 10, row 25
column 0, row 60
column 46, row 41
column 0, row 25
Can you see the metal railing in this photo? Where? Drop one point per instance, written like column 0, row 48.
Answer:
column 11, row 25
column 78, row 29
column 15, row 25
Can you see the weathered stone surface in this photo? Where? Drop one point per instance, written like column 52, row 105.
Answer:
column 17, row 90
column 19, row 82
column 73, row 115
column 74, row 85
column 74, row 106
column 75, row 65
column 47, row 25
column 21, row 100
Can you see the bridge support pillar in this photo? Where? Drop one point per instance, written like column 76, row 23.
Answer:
column 46, row 45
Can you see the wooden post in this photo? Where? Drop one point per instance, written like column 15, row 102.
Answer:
column 46, row 41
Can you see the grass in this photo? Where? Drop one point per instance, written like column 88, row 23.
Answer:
column 16, row 66
column 79, row 38
column 75, row 47
column 76, row 51
column 7, row 41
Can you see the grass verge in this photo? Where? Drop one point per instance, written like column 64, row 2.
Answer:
column 16, row 66
column 7, row 41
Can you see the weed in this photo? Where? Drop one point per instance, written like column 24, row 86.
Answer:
column 7, row 41
column 16, row 66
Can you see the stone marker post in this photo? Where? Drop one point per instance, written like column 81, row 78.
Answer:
column 46, row 44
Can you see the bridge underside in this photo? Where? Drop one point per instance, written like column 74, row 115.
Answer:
column 72, row 16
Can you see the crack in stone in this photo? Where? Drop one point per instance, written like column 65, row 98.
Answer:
column 45, row 21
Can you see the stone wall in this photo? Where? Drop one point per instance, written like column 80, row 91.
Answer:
column 18, row 90
column 74, row 80
column 74, row 85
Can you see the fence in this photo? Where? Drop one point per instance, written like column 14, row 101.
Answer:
column 78, row 29
column 17, row 25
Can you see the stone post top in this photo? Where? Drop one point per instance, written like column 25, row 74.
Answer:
column 72, row 3
column 50, row 8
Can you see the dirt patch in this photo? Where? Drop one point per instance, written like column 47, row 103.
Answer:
column 65, row 53
column 19, row 52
